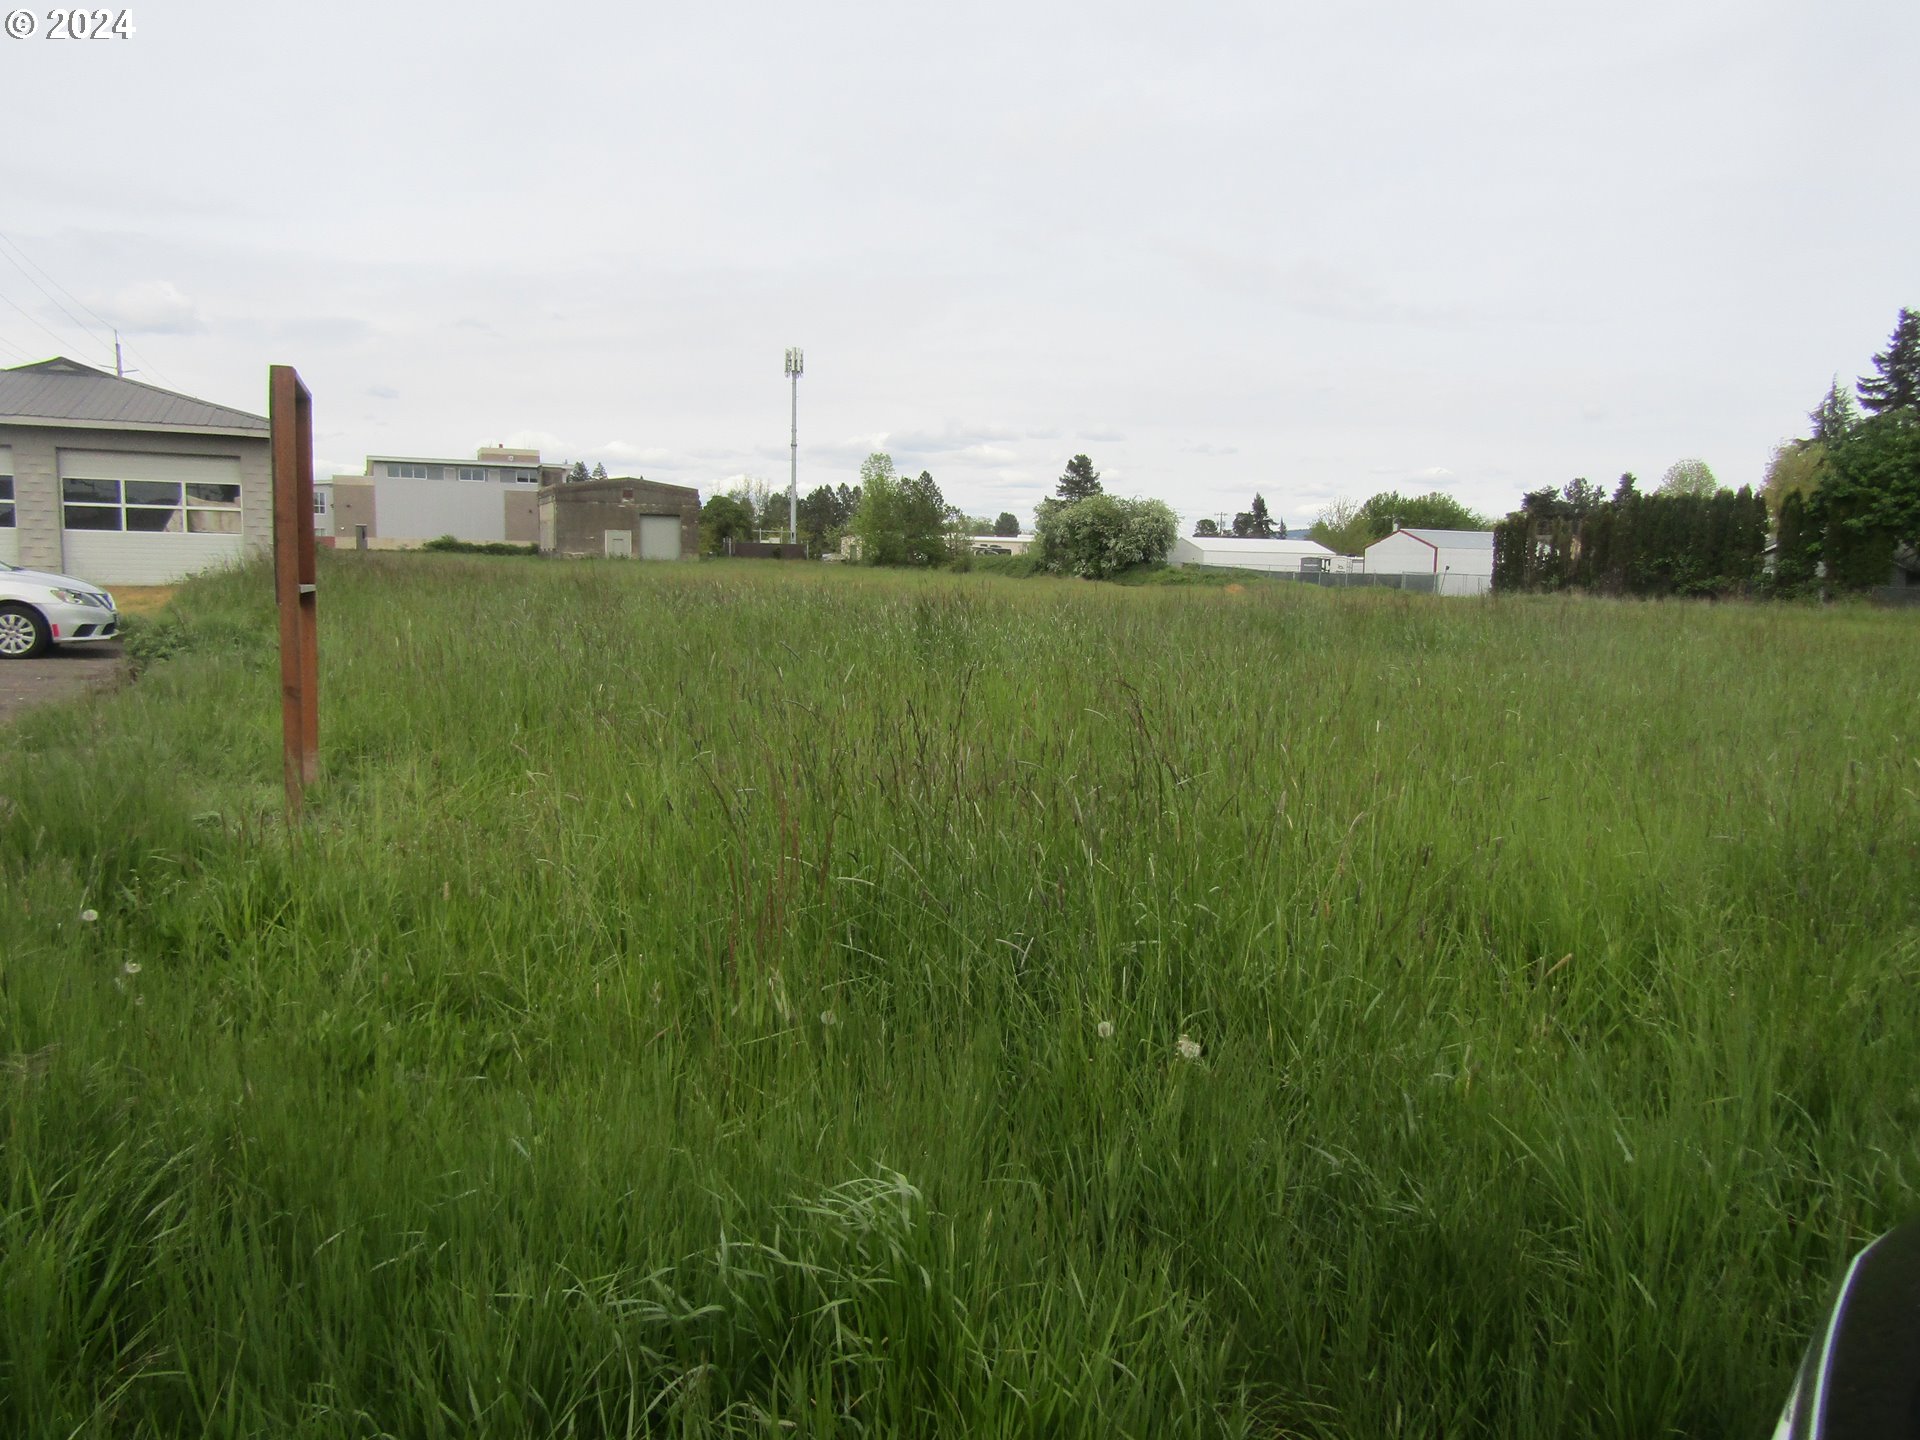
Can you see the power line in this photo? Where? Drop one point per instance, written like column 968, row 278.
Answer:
column 32, row 320
column 18, row 352
column 46, row 292
column 14, row 245
column 147, row 367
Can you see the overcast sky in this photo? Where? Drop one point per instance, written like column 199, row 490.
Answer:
column 1309, row 250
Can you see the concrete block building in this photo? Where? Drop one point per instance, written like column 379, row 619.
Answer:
column 622, row 519
column 123, row 483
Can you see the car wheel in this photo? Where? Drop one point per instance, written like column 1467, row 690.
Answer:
column 23, row 634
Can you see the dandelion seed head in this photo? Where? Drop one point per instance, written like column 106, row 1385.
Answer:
column 1189, row 1048
column 132, row 967
column 1104, row 1029
column 827, row 1017
column 87, row 917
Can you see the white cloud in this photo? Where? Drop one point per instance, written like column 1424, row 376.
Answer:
column 151, row 307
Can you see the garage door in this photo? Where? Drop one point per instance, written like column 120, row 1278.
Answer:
column 9, row 516
column 137, row 519
column 659, row 537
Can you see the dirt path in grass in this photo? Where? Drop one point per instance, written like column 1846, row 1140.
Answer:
column 68, row 671
column 61, row 674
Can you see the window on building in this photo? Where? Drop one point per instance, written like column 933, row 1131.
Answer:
column 472, row 472
column 152, row 507
column 525, row 477
column 6, row 502
column 319, row 502
column 408, row 470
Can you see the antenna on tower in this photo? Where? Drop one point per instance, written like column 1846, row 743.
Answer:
column 119, row 366
column 796, row 366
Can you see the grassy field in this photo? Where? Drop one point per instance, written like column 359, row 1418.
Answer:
column 756, row 1001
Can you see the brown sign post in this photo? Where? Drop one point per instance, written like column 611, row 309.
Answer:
column 290, row 410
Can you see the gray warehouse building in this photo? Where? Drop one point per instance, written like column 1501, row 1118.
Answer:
column 622, row 519
column 123, row 483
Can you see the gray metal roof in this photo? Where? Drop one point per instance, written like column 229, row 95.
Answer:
column 62, row 391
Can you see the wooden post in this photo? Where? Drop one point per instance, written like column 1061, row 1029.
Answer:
column 290, row 410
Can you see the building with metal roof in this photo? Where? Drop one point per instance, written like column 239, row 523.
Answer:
column 1231, row 552
column 123, row 483
column 1460, row 560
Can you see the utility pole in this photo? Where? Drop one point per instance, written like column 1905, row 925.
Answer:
column 796, row 365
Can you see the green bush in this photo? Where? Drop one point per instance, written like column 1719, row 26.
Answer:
column 1096, row 537
column 449, row 545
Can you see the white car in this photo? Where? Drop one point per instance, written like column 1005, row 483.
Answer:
column 38, row 610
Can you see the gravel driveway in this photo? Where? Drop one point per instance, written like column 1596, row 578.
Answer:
column 61, row 674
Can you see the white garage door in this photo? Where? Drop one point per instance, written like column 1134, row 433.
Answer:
column 9, row 516
column 659, row 537
column 137, row 519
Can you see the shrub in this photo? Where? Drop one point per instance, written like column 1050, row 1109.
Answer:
column 450, row 545
column 1100, row 535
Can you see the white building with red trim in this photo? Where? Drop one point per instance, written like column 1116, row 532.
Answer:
column 1461, row 561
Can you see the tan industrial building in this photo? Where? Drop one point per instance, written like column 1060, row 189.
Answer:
column 620, row 519
column 402, row 502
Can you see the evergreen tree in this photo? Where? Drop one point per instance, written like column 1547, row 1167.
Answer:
column 599, row 471
column 1007, row 524
column 1257, row 524
column 1627, row 489
column 1834, row 416
column 1207, row 529
column 578, row 472
column 1793, row 557
column 1079, row 481
column 1582, row 498
column 1897, row 386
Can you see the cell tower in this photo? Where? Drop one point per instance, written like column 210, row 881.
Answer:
column 796, row 366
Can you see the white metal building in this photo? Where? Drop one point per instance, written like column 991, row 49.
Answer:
column 1000, row 544
column 122, row 483
column 1291, row 557
column 1460, row 560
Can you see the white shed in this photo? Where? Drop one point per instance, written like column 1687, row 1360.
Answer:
column 1460, row 560
column 1291, row 557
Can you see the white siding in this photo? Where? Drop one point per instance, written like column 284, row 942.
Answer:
column 1466, row 562
column 112, row 557
column 428, row 509
column 119, row 557
column 1400, row 555
column 1277, row 556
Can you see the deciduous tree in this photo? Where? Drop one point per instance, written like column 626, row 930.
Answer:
column 1687, row 477
column 1096, row 537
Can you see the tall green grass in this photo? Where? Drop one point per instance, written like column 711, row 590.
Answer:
column 749, row 1000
